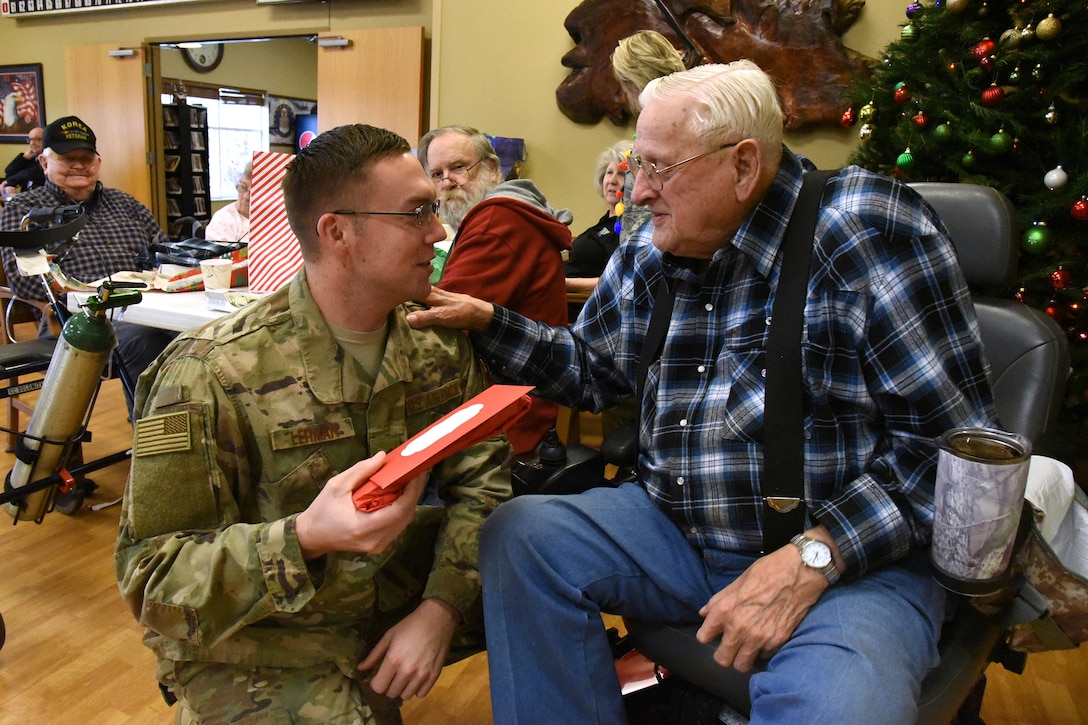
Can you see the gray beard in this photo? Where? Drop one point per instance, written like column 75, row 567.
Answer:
column 453, row 211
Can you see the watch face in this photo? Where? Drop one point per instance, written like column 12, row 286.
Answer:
column 204, row 58
column 816, row 554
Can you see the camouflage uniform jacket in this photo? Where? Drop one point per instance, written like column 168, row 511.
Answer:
column 243, row 421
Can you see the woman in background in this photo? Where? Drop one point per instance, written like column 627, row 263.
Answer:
column 594, row 246
column 637, row 60
column 231, row 223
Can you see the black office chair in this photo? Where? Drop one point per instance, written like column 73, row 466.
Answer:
column 1029, row 364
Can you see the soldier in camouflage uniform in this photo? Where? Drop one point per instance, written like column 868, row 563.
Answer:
column 265, row 594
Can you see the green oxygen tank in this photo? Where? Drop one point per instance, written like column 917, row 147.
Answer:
column 64, row 402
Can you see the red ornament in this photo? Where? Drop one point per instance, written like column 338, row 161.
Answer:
column 901, row 95
column 624, row 166
column 920, row 120
column 1020, row 295
column 1054, row 311
column 1079, row 210
column 1060, row 278
column 849, row 117
column 983, row 49
column 993, row 96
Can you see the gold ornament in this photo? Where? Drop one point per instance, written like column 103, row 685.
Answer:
column 1010, row 38
column 1048, row 28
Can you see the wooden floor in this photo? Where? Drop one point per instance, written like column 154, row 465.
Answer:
column 73, row 652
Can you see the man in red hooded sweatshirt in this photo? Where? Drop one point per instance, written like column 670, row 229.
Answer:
column 508, row 244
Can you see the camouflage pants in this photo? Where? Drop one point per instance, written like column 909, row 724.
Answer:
column 211, row 692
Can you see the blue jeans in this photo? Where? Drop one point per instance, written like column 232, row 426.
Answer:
column 551, row 564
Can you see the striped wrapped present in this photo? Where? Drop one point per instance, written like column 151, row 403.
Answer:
column 274, row 254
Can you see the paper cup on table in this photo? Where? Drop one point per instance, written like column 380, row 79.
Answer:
column 216, row 273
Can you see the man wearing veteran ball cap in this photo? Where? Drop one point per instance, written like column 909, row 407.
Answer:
column 118, row 228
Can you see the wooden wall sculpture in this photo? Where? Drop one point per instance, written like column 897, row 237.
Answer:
column 798, row 42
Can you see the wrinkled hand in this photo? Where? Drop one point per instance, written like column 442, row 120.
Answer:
column 758, row 612
column 413, row 652
column 332, row 523
column 452, row 310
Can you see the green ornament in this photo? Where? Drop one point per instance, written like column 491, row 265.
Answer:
column 943, row 133
column 1037, row 238
column 905, row 161
column 909, row 33
column 1001, row 142
column 968, row 160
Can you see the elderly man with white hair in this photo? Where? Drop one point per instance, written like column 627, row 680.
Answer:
column 117, row 229
column 842, row 611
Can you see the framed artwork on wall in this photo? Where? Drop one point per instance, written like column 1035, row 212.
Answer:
column 22, row 101
column 283, row 116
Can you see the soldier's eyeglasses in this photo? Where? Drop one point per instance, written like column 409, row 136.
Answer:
column 422, row 213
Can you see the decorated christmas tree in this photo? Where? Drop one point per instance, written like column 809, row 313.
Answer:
column 995, row 92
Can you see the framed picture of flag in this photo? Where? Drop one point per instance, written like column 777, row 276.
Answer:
column 22, row 101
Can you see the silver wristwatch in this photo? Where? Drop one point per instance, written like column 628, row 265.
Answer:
column 816, row 555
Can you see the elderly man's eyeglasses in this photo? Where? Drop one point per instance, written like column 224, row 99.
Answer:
column 457, row 173
column 422, row 213
column 656, row 177
column 242, row 188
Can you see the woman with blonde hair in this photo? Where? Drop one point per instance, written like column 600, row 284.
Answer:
column 637, row 60
column 594, row 246
column 640, row 58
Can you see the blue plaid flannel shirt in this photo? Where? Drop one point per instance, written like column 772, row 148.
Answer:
column 118, row 228
column 891, row 360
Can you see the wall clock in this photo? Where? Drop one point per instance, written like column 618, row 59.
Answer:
column 204, row 58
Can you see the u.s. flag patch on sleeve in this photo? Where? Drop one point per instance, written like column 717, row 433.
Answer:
column 167, row 433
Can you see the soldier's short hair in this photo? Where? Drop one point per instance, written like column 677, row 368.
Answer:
column 320, row 173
